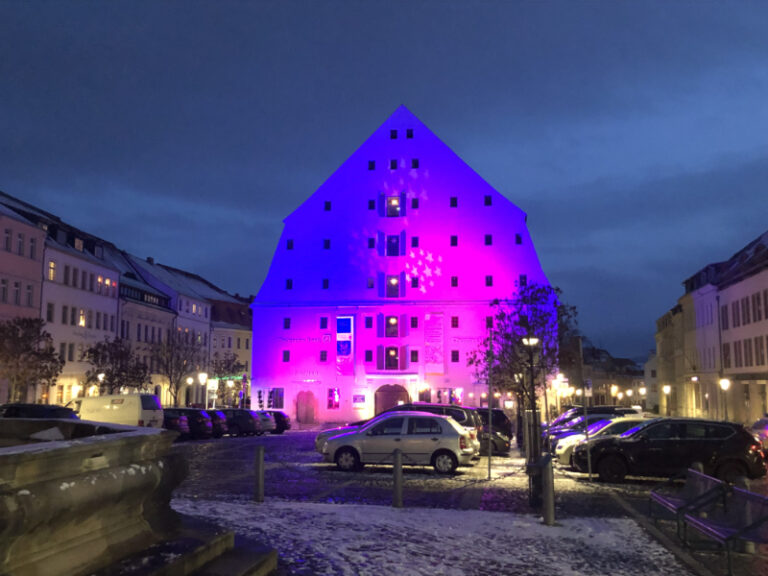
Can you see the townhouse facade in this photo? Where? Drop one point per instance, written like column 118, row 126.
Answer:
column 21, row 266
column 381, row 284
column 712, row 347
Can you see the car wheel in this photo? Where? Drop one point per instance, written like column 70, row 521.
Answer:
column 445, row 462
column 731, row 471
column 347, row 459
column 234, row 430
column 612, row 468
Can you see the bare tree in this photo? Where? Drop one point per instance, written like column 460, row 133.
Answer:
column 224, row 367
column 120, row 367
column 27, row 357
column 176, row 359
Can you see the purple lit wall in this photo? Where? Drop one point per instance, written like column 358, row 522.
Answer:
column 381, row 282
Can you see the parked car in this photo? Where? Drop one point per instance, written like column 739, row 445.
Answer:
column 200, row 425
column 500, row 421
column 282, row 421
column 760, row 429
column 266, row 421
column 218, row 422
column 602, row 409
column 177, row 422
column 668, row 446
column 423, row 437
column 241, row 422
column 128, row 409
column 460, row 414
column 324, row 435
column 604, row 427
column 575, row 425
column 22, row 410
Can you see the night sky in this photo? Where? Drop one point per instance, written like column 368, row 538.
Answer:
column 634, row 134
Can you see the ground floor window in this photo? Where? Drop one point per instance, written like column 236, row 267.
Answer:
column 333, row 398
column 276, row 398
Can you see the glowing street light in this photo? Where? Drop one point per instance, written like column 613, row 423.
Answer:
column 202, row 377
column 667, row 389
column 724, row 385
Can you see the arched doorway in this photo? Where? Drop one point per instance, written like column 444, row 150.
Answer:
column 388, row 396
column 306, row 406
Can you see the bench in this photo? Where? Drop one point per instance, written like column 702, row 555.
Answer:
column 698, row 490
column 742, row 517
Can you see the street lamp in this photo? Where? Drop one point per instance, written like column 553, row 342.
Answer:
column 190, row 381
column 534, row 436
column 202, row 377
column 724, row 385
column 614, row 392
column 666, row 389
column 101, row 377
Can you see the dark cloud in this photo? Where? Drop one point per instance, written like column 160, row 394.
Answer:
column 189, row 130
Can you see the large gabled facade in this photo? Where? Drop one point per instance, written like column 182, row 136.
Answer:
column 380, row 286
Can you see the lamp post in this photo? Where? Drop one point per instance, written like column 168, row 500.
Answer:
column 190, row 381
column 534, row 435
column 642, row 392
column 724, row 385
column 101, row 377
column 202, row 377
column 666, row 389
column 614, row 392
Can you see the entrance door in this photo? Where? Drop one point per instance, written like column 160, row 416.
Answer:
column 389, row 396
column 306, row 406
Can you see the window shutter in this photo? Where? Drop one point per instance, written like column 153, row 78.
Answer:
column 403, row 200
column 380, row 357
column 403, row 357
column 382, row 204
column 380, row 325
column 381, row 282
column 402, row 284
column 402, row 243
column 404, row 325
column 381, row 242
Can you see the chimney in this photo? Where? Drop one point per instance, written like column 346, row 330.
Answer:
column 150, row 260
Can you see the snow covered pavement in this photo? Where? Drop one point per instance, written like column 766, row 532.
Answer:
column 356, row 539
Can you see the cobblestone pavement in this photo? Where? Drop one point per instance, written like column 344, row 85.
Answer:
column 223, row 469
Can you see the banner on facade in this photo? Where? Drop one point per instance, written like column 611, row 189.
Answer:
column 433, row 344
column 344, row 346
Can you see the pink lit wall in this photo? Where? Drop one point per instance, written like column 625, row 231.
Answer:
column 403, row 235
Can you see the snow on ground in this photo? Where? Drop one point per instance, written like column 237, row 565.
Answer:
column 355, row 539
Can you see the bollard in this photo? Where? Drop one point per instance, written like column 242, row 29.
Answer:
column 548, row 489
column 397, row 496
column 258, row 493
column 747, row 547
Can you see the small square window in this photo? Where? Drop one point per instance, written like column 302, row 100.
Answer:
column 371, row 165
column 415, row 203
column 371, row 242
column 454, row 355
column 289, row 244
column 371, row 283
column 454, row 202
column 489, row 322
column 286, row 355
column 414, row 241
column 369, row 321
column 488, row 201
column 488, row 239
column 323, row 356
column 286, row 323
column 324, row 323
column 414, row 163
column 371, row 204
column 289, row 284
column 523, row 280
column 409, row 133
column 454, row 321
column 414, row 321
column 326, row 283
column 414, row 356
column 326, row 244
column 489, row 280
column 518, row 239
column 327, row 206
column 454, row 240
column 369, row 355
column 393, row 164
column 415, row 282
column 393, row 134
column 454, row 281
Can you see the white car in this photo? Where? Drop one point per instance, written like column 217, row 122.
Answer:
column 266, row 421
column 565, row 446
column 425, row 439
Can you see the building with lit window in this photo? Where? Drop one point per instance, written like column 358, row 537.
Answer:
column 381, row 282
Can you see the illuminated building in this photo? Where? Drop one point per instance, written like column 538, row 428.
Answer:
column 381, row 282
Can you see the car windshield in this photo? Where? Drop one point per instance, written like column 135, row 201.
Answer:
column 563, row 417
column 597, row 426
column 635, row 429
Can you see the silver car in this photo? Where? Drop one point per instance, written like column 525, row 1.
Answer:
column 424, row 439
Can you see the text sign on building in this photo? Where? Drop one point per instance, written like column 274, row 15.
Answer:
column 344, row 345
column 433, row 344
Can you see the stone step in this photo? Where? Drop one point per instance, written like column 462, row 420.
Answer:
column 242, row 561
